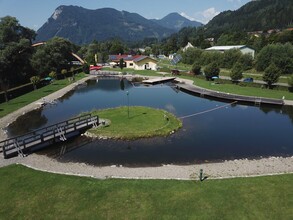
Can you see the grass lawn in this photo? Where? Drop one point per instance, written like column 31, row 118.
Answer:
column 21, row 101
column 142, row 122
column 241, row 90
column 29, row 194
column 225, row 72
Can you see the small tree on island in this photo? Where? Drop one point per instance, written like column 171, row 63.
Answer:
column 211, row 70
column 121, row 63
column 35, row 80
column 236, row 72
column 271, row 75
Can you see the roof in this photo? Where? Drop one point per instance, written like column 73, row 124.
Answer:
column 142, row 58
column 125, row 57
column 221, row 48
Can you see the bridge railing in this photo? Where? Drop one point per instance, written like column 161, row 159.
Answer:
column 48, row 133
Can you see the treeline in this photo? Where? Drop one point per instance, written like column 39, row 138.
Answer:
column 261, row 15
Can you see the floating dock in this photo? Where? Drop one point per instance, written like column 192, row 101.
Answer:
column 20, row 145
column 226, row 96
column 158, row 80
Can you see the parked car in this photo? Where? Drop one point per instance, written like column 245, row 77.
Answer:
column 248, row 79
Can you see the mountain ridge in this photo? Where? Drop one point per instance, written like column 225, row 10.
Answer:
column 81, row 25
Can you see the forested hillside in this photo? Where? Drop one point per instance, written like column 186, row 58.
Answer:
column 254, row 16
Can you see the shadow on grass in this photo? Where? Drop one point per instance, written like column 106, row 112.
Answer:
column 48, row 91
column 137, row 115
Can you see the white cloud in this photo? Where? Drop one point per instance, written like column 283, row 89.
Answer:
column 209, row 14
column 183, row 14
column 206, row 15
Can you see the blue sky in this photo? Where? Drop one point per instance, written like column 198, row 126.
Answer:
column 34, row 13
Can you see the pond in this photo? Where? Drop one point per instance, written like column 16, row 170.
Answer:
column 230, row 132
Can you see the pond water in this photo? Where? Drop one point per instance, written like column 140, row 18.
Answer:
column 232, row 132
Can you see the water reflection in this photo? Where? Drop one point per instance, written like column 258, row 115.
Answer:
column 233, row 131
column 28, row 122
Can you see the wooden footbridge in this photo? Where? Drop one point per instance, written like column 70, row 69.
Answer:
column 61, row 131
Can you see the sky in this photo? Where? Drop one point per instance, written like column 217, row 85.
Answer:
column 34, row 13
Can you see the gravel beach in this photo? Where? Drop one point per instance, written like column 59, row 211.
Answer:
column 226, row 169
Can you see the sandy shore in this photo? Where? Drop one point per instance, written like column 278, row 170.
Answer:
column 227, row 169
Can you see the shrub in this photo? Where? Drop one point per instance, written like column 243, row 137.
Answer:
column 236, row 72
column 211, row 71
column 35, row 80
column 53, row 75
column 196, row 69
column 271, row 75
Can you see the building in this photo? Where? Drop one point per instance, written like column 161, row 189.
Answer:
column 243, row 49
column 137, row 62
column 189, row 45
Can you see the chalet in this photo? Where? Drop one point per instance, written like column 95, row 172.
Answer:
column 243, row 49
column 189, row 45
column 137, row 62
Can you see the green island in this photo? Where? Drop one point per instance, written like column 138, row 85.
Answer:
column 29, row 194
column 135, row 122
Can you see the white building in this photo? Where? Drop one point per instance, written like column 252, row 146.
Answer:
column 189, row 45
column 243, row 49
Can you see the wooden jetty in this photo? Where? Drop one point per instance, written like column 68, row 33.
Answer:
column 226, row 96
column 158, row 80
column 61, row 131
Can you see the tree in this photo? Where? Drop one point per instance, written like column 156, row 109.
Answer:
column 64, row 72
column 15, row 53
column 121, row 63
column 196, row 68
column 271, row 75
column 191, row 55
column 53, row 56
column 35, row 80
column 280, row 54
column 290, row 81
column 229, row 58
column 211, row 70
column 236, row 72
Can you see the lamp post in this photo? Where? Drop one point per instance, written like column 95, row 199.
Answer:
column 127, row 93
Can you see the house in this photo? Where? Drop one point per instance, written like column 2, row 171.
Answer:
column 171, row 56
column 189, row 45
column 137, row 62
column 243, row 49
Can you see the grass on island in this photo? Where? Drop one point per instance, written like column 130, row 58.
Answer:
column 142, row 122
column 21, row 101
column 29, row 194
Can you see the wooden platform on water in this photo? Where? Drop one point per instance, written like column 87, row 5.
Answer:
column 22, row 144
column 230, row 97
column 158, row 80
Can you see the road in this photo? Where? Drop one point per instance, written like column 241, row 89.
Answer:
column 257, row 81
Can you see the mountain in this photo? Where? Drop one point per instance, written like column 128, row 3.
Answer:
column 82, row 26
column 254, row 16
column 176, row 22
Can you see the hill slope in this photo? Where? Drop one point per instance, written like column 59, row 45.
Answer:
column 176, row 21
column 255, row 15
column 81, row 25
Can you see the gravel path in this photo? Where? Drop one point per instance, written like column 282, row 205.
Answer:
column 226, row 169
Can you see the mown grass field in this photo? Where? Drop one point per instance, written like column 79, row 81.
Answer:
column 29, row 194
column 142, row 122
column 21, row 101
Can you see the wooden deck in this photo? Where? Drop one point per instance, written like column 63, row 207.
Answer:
column 158, row 80
column 230, row 97
column 20, row 145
